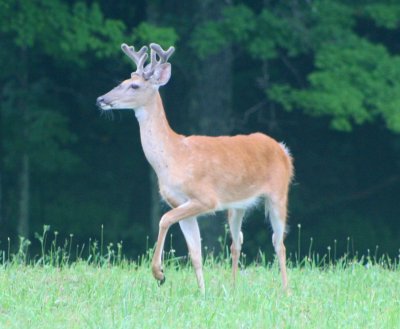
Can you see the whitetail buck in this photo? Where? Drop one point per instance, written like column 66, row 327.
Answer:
column 199, row 175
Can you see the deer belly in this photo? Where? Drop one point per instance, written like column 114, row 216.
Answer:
column 173, row 196
column 241, row 204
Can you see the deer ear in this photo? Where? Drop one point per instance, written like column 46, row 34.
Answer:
column 162, row 74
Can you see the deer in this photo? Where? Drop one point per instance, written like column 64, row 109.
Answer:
column 200, row 175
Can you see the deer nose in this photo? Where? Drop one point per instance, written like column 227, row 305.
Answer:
column 99, row 101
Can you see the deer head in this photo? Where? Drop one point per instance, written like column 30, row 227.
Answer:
column 143, row 84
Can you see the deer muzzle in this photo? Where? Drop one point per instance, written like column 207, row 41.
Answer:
column 102, row 103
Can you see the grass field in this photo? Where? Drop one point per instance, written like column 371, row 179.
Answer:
column 101, row 289
column 124, row 295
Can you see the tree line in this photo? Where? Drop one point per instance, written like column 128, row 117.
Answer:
column 322, row 76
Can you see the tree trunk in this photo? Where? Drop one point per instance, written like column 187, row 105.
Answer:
column 1, row 166
column 24, row 176
column 1, row 196
column 210, row 108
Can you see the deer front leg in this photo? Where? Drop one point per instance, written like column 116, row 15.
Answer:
column 190, row 229
column 188, row 209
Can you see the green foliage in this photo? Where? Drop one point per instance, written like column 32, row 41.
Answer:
column 235, row 26
column 329, row 22
column 238, row 23
column 43, row 133
column 146, row 33
column 24, row 19
column 385, row 15
column 213, row 34
column 353, row 83
column 281, row 93
column 64, row 31
column 49, row 133
column 88, row 30
column 264, row 48
column 354, row 80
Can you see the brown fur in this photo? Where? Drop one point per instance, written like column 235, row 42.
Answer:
column 201, row 174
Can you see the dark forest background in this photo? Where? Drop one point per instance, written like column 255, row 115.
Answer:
column 322, row 76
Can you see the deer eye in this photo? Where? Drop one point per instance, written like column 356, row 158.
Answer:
column 134, row 86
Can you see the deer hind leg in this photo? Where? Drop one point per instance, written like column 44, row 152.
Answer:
column 277, row 215
column 235, row 218
column 190, row 229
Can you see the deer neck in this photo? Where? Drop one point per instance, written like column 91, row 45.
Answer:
column 158, row 140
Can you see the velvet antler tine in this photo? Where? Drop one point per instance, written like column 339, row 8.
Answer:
column 164, row 55
column 156, row 50
column 139, row 57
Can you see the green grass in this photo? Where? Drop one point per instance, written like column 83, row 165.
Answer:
column 126, row 296
column 100, row 289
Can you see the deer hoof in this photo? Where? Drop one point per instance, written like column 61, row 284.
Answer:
column 162, row 280
column 158, row 274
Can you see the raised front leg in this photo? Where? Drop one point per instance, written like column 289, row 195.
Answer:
column 188, row 209
column 190, row 229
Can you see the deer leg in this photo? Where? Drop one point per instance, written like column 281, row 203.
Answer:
column 186, row 210
column 190, row 229
column 277, row 214
column 235, row 218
